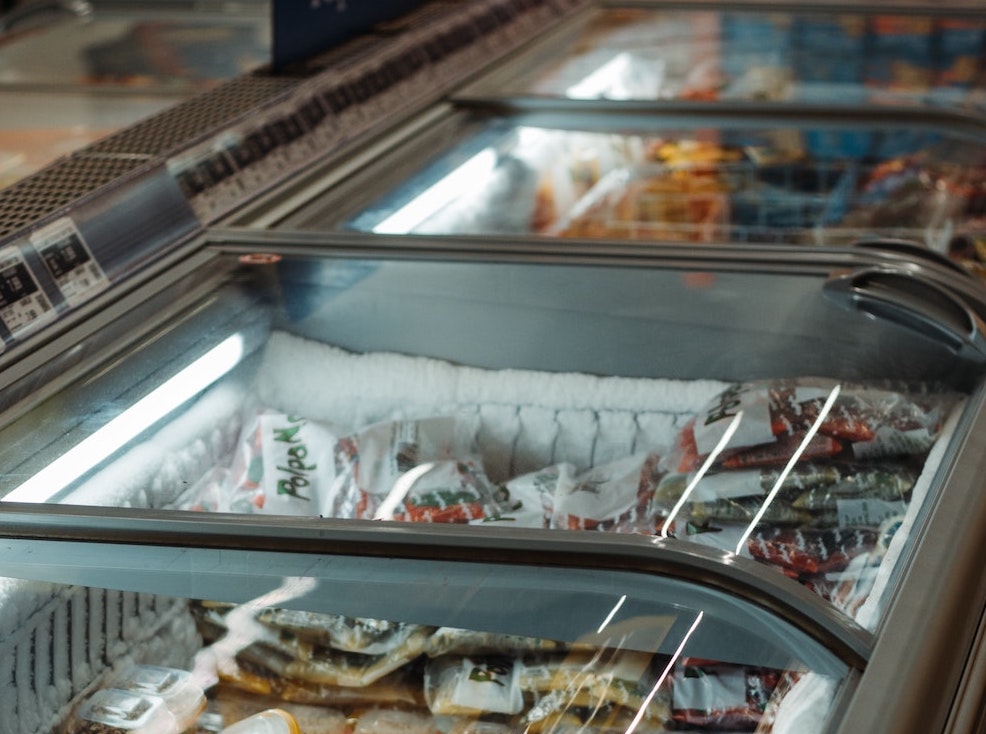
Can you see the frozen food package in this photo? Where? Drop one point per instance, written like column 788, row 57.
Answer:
column 763, row 423
column 711, row 696
column 394, row 721
column 271, row 648
column 182, row 696
column 614, row 496
column 283, row 465
column 438, row 482
column 112, row 711
column 474, row 685
column 272, row 721
column 810, row 476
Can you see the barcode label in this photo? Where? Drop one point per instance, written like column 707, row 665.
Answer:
column 70, row 261
column 23, row 305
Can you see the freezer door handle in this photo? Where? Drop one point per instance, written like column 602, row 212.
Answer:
column 914, row 251
column 905, row 298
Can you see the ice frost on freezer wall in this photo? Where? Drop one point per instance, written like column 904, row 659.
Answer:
column 57, row 641
column 584, row 419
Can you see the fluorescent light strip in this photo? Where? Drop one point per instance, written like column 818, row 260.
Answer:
column 826, row 408
column 470, row 176
column 703, row 470
column 133, row 421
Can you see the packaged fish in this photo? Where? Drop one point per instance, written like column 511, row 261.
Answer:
column 454, row 641
column 349, row 634
column 113, row 711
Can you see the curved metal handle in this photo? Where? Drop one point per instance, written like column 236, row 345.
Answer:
column 913, row 250
column 906, row 299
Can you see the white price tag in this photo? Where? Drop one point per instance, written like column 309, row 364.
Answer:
column 70, row 261
column 23, row 305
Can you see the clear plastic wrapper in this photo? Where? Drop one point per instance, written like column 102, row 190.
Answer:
column 112, row 711
column 283, row 465
column 183, row 697
column 272, row 721
column 811, row 476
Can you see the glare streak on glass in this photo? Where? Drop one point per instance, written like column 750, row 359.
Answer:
column 133, row 421
column 243, row 629
column 664, row 674
column 612, row 613
column 795, row 457
column 470, row 176
column 402, row 485
column 596, row 84
column 703, row 470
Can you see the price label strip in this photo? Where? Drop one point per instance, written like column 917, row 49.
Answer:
column 24, row 307
column 70, row 261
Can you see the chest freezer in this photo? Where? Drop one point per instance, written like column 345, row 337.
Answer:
column 809, row 438
column 865, row 57
column 630, row 177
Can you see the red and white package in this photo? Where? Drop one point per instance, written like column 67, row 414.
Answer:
column 720, row 697
column 614, row 496
column 456, row 491
column 370, row 461
column 764, row 423
column 283, row 465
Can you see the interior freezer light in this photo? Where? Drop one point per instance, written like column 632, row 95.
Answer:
column 795, row 457
column 133, row 421
column 470, row 176
column 602, row 81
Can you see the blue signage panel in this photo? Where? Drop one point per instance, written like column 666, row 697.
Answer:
column 305, row 28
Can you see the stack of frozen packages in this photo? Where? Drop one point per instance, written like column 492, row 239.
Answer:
column 363, row 675
column 141, row 699
column 818, row 478
column 786, row 186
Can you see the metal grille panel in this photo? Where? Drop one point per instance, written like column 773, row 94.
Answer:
column 57, row 186
column 175, row 127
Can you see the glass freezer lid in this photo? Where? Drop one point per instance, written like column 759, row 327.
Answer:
column 367, row 643
column 623, row 178
column 637, row 399
column 869, row 59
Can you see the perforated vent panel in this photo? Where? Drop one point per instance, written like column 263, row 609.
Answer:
column 57, row 186
column 162, row 134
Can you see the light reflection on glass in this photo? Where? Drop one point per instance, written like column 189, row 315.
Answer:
column 703, row 470
column 129, row 424
column 795, row 457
